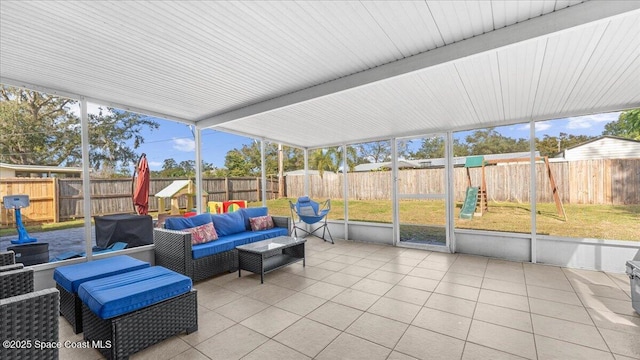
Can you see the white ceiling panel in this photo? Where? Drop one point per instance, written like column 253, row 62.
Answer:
column 312, row 73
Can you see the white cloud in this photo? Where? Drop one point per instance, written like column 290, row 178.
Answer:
column 155, row 165
column 182, row 144
column 585, row 122
column 540, row 126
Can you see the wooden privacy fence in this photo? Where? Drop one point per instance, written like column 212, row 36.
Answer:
column 605, row 182
column 54, row 199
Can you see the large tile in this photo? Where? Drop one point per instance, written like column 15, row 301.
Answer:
column 549, row 348
column 210, row 323
column 427, row 273
column 190, row 354
column 396, row 268
column 233, row 343
column 502, row 338
column 407, row 294
column 477, row 352
column 428, row 345
column 623, row 307
column 307, row 336
column 434, row 265
column 497, row 298
column 300, row 303
column 622, row 343
column 515, row 319
column 274, row 350
column 356, row 299
column 561, row 296
column 311, row 272
column 568, row 331
column 406, row 261
column 561, row 311
column 346, row 259
column 378, row 329
column 618, row 322
column 293, row 282
column 372, row 286
column 163, row 350
column 335, row 315
column 340, row 279
column 451, row 304
column 386, row 276
column 241, row 309
column 270, row 321
column 419, row 283
column 370, row 263
column 271, row 294
column 505, row 286
column 612, row 291
column 348, row 346
column 356, row 270
column 218, row 298
column 323, row 290
column 395, row 309
column 248, row 283
column 443, row 322
column 332, row 265
column 399, row 356
column 457, row 290
column 462, row 279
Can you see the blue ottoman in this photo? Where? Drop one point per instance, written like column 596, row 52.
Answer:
column 69, row 278
column 134, row 310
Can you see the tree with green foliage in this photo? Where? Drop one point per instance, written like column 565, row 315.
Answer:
column 246, row 160
column 552, row 145
column 185, row 168
column 41, row 129
column 489, row 141
column 627, row 125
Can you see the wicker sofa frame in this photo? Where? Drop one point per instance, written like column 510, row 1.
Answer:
column 7, row 258
column 16, row 282
column 30, row 317
column 173, row 251
column 119, row 337
column 71, row 308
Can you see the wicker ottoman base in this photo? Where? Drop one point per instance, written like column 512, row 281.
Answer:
column 71, row 308
column 119, row 337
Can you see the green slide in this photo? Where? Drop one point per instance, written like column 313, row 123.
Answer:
column 470, row 200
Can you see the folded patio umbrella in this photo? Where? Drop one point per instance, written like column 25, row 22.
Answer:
column 141, row 193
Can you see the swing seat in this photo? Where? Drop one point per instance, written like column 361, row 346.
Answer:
column 310, row 212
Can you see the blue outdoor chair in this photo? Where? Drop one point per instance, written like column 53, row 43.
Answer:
column 311, row 212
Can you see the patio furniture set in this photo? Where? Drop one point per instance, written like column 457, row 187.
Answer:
column 123, row 305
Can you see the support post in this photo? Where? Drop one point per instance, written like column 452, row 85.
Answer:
column 264, row 172
column 86, row 177
column 199, row 205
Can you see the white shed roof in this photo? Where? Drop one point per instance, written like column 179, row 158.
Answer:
column 320, row 73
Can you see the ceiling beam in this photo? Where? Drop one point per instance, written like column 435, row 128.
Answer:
column 544, row 25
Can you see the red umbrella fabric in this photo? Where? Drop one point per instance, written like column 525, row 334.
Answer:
column 141, row 193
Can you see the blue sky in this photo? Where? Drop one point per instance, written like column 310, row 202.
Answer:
column 175, row 140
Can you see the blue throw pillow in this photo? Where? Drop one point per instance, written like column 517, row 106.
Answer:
column 229, row 223
column 249, row 213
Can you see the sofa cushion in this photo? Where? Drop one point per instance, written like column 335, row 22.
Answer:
column 70, row 277
column 249, row 213
column 271, row 233
column 181, row 223
column 228, row 223
column 261, row 223
column 123, row 293
column 203, row 233
column 224, row 243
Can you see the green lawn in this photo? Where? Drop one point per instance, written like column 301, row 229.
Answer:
column 583, row 221
column 621, row 222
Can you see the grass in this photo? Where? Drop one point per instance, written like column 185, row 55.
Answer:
column 620, row 222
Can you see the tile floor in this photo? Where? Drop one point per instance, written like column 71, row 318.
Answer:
column 364, row 301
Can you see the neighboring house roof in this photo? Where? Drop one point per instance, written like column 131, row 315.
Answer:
column 603, row 147
column 41, row 168
column 437, row 162
column 600, row 138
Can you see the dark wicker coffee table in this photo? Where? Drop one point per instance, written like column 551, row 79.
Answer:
column 264, row 256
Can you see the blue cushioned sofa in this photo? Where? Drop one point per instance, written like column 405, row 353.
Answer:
column 173, row 248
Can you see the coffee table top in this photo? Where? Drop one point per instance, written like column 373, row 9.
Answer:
column 279, row 242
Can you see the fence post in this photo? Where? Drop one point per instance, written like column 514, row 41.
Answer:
column 258, row 188
column 56, row 201
column 226, row 188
